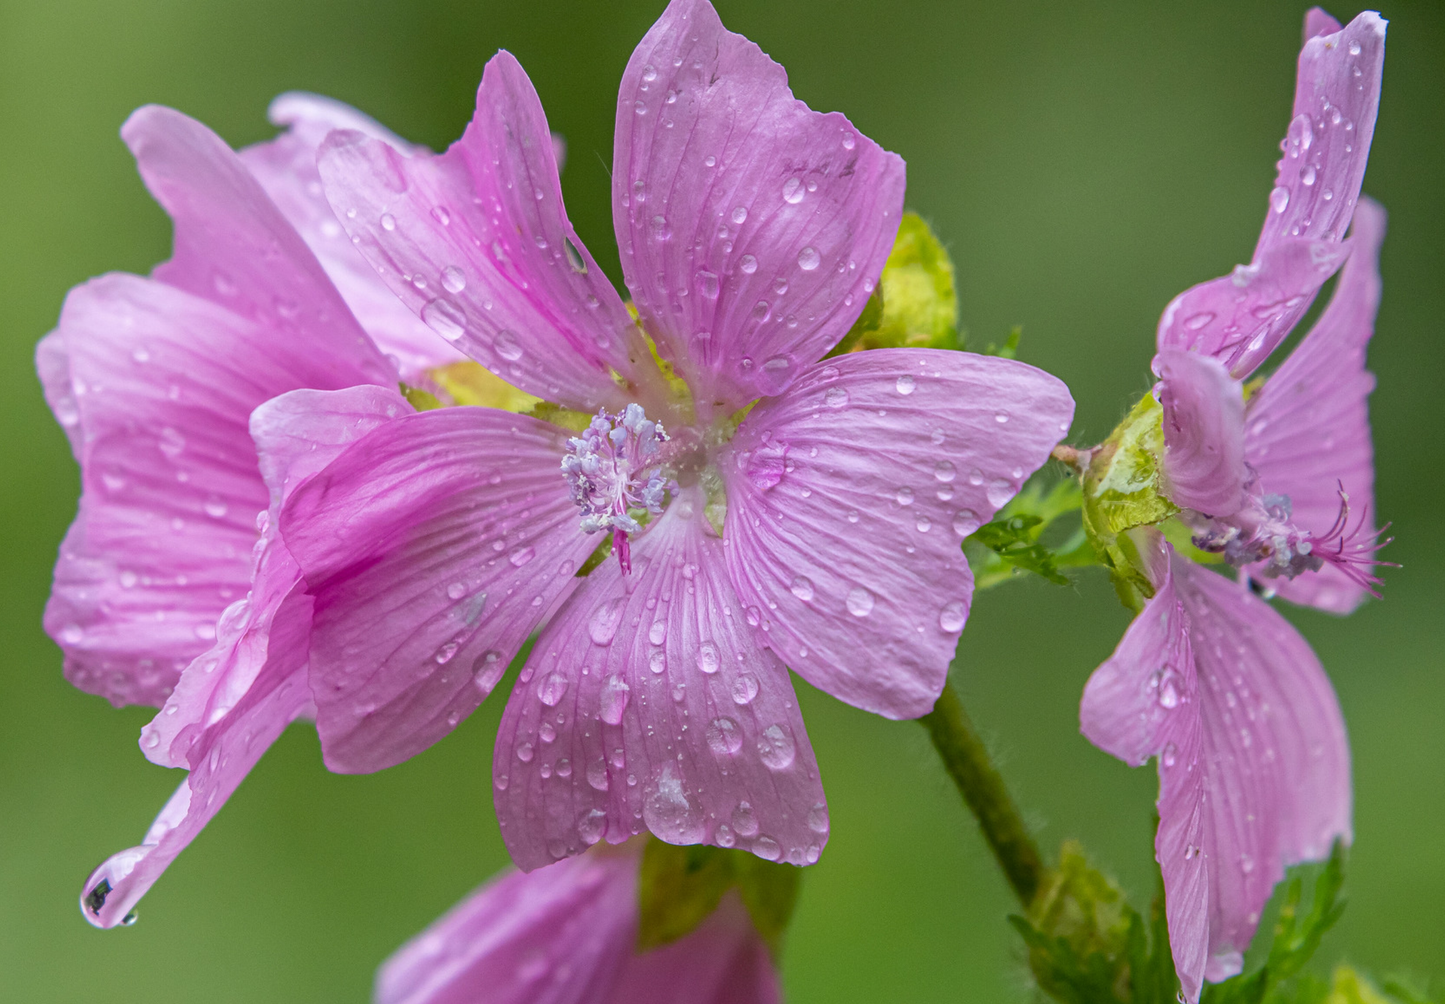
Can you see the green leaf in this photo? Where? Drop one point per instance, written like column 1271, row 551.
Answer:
column 915, row 303
column 419, row 399
column 679, row 887
column 1010, row 348
column 1012, row 543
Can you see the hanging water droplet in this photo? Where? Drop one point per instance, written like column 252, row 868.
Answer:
column 999, row 492
column 818, row 818
column 767, row 848
column 744, row 821
column 723, row 836
column 592, row 827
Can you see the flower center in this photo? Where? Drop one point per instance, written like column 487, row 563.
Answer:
column 1264, row 536
column 615, row 471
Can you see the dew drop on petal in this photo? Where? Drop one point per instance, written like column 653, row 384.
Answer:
column 906, row 384
column 615, row 692
column 744, row 820
column 592, row 827
column 767, row 848
column 707, row 658
column 835, row 397
column 802, row 588
column 744, row 689
column 1279, row 199
column 776, row 748
column 944, row 471
column 793, row 191
column 724, row 737
column 388, row 221
column 507, row 346
column 860, row 602
column 445, row 318
column 747, row 264
column 551, row 688
column 965, row 521
column 452, row 279
column 952, row 616
column 818, row 818
column 809, row 259
column 602, row 626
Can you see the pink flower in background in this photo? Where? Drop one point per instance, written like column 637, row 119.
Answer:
column 1282, row 485
column 1252, row 755
column 565, row 933
column 820, row 529
column 171, row 586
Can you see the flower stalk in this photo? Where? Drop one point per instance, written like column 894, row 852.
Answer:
column 967, row 761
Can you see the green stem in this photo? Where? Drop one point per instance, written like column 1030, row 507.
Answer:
column 983, row 790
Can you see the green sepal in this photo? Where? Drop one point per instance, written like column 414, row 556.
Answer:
column 679, row 887
column 1012, row 544
column 915, row 303
column 419, row 399
column 1122, row 492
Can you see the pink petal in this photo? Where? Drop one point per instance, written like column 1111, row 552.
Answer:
column 1242, row 317
column 477, row 242
column 1253, row 760
column 286, row 169
column 1203, row 432
column 219, row 759
column 1337, row 94
column 557, row 935
column 722, row 962
column 162, row 384
column 848, row 499
column 52, row 365
column 233, row 247
column 752, row 228
column 1308, row 431
column 647, row 704
column 433, row 547
column 1319, row 22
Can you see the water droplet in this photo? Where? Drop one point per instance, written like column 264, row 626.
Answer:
column 452, row 279
column 767, row 848
column 1354, row 48
column 818, row 818
column 445, row 318
column 835, row 397
column 507, row 346
column 615, row 693
column 521, row 556
column 923, row 523
column 944, row 471
column 709, row 161
column 740, row 215
column 904, row 496
column 905, row 384
column 592, row 827
column 1279, row 199
column 744, row 689
column 667, row 812
column 215, row 508
column 802, row 588
column 657, row 634
column 502, row 781
column 649, row 73
column 525, row 752
column 127, row 580
column 597, row 775
column 388, row 221
column 860, row 602
column 657, row 661
column 965, row 521
column 551, row 689
column 809, row 259
column 445, row 653
column 603, row 625
column 1170, row 755
column 723, row 835
column 456, row 590
column 747, row 264
column 1308, row 176
column 744, row 822
column 1168, row 683
column 1190, row 851
column 793, row 191
column 952, row 616
column 707, row 284
column 1246, row 863
column 1001, row 417
column 999, row 492
column 707, row 658
column 724, row 737
column 547, row 733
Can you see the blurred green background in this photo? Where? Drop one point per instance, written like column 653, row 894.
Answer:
column 1084, row 163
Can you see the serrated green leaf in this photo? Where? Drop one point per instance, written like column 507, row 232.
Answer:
column 1013, row 540
column 915, row 303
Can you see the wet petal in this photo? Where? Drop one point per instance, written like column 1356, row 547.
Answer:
column 752, row 228
column 848, row 499
column 233, row 246
column 1337, row 93
column 52, row 365
column 286, row 169
column 1308, row 427
column 647, row 704
column 478, row 244
column 557, row 935
column 433, row 547
column 1253, row 760
column 1203, row 432
column 220, row 758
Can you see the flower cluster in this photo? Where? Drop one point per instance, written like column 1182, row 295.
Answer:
column 268, row 531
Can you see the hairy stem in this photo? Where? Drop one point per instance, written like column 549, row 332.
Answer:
column 982, row 787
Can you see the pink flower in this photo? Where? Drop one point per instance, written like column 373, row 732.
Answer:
column 1254, row 765
column 565, row 933
column 172, row 587
column 820, row 529
column 1253, row 760
column 1282, row 484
